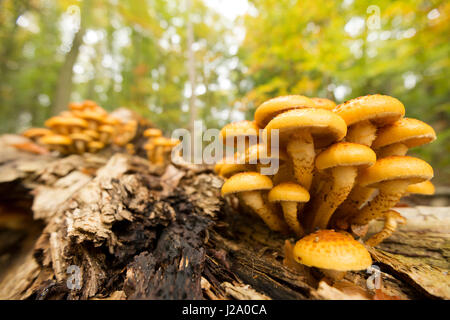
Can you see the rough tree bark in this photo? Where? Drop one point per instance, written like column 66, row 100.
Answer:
column 127, row 230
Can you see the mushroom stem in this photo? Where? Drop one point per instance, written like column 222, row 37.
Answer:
column 80, row 146
column 390, row 193
column 158, row 156
column 290, row 216
column 363, row 132
column 301, row 150
column 395, row 149
column 334, row 275
column 332, row 194
column 255, row 201
column 391, row 220
column 356, row 198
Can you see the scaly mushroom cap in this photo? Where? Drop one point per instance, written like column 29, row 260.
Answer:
column 345, row 154
column 261, row 152
column 36, row 132
column 324, row 103
column 112, row 121
column 246, row 181
column 270, row 108
column 397, row 168
column 327, row 249
column 288, row 191
column 377, row 108
column 410, row 132
column 425, row 187
column 56, row 139
column 325, row 126
column 244, row 128
column 152, row 133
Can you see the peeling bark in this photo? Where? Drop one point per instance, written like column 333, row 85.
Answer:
column 128, row 230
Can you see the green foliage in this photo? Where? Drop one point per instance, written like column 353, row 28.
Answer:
column 134, row 54
column 301, row 47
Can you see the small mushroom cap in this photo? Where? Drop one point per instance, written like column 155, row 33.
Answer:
column 261, row 152
column 80, row 137
column 270, row 108
column 152, row 133
column 425, row 187
column 56, row 139
column 324, row 103
column 92, row 133
column 325, row 126
column 244, row 128
column 56, row 121
column 149, row 146
column 112, row 121
column 89, row 104
column 411, row 132
column 345, row 154
column 96, row 145
column 92, row 115
column 76, row 106
column 75, row 122
column 229, row 169
column 246, row 181
column 106, row 128
column 36, row 132
column 288, row 191
column 377, row 108
column 327, row 249
column 413, row 170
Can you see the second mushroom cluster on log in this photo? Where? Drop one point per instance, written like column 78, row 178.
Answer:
column 84, row 127
column 336, row 167
column 158, row 148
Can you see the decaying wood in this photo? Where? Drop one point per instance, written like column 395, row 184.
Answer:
column 127, row 230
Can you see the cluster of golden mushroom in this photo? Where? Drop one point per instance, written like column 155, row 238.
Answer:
column 84, row 127
column 339, row 166
column 158, row 148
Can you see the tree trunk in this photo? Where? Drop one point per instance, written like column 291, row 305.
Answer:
column 111, row 226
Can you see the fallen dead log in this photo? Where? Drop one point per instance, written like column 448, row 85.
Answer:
column 111, row 226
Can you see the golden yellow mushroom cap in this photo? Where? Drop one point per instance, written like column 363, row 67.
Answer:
column 229, row 169
column 325, row 126
column 56, row 139
column 270, row 108
column 324, row 103
column 152, row 133
column 327, row 249
column 244, row 128
column 345, row 154
column 425, row 187
column 413, row 170
column 377, row 108
column 36, row 132
column 261, row 152
column 246, row 181
column 411, row 132
column 80, row 137
column 288, row 191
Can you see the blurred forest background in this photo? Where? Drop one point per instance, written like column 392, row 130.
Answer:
column 221, row 58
